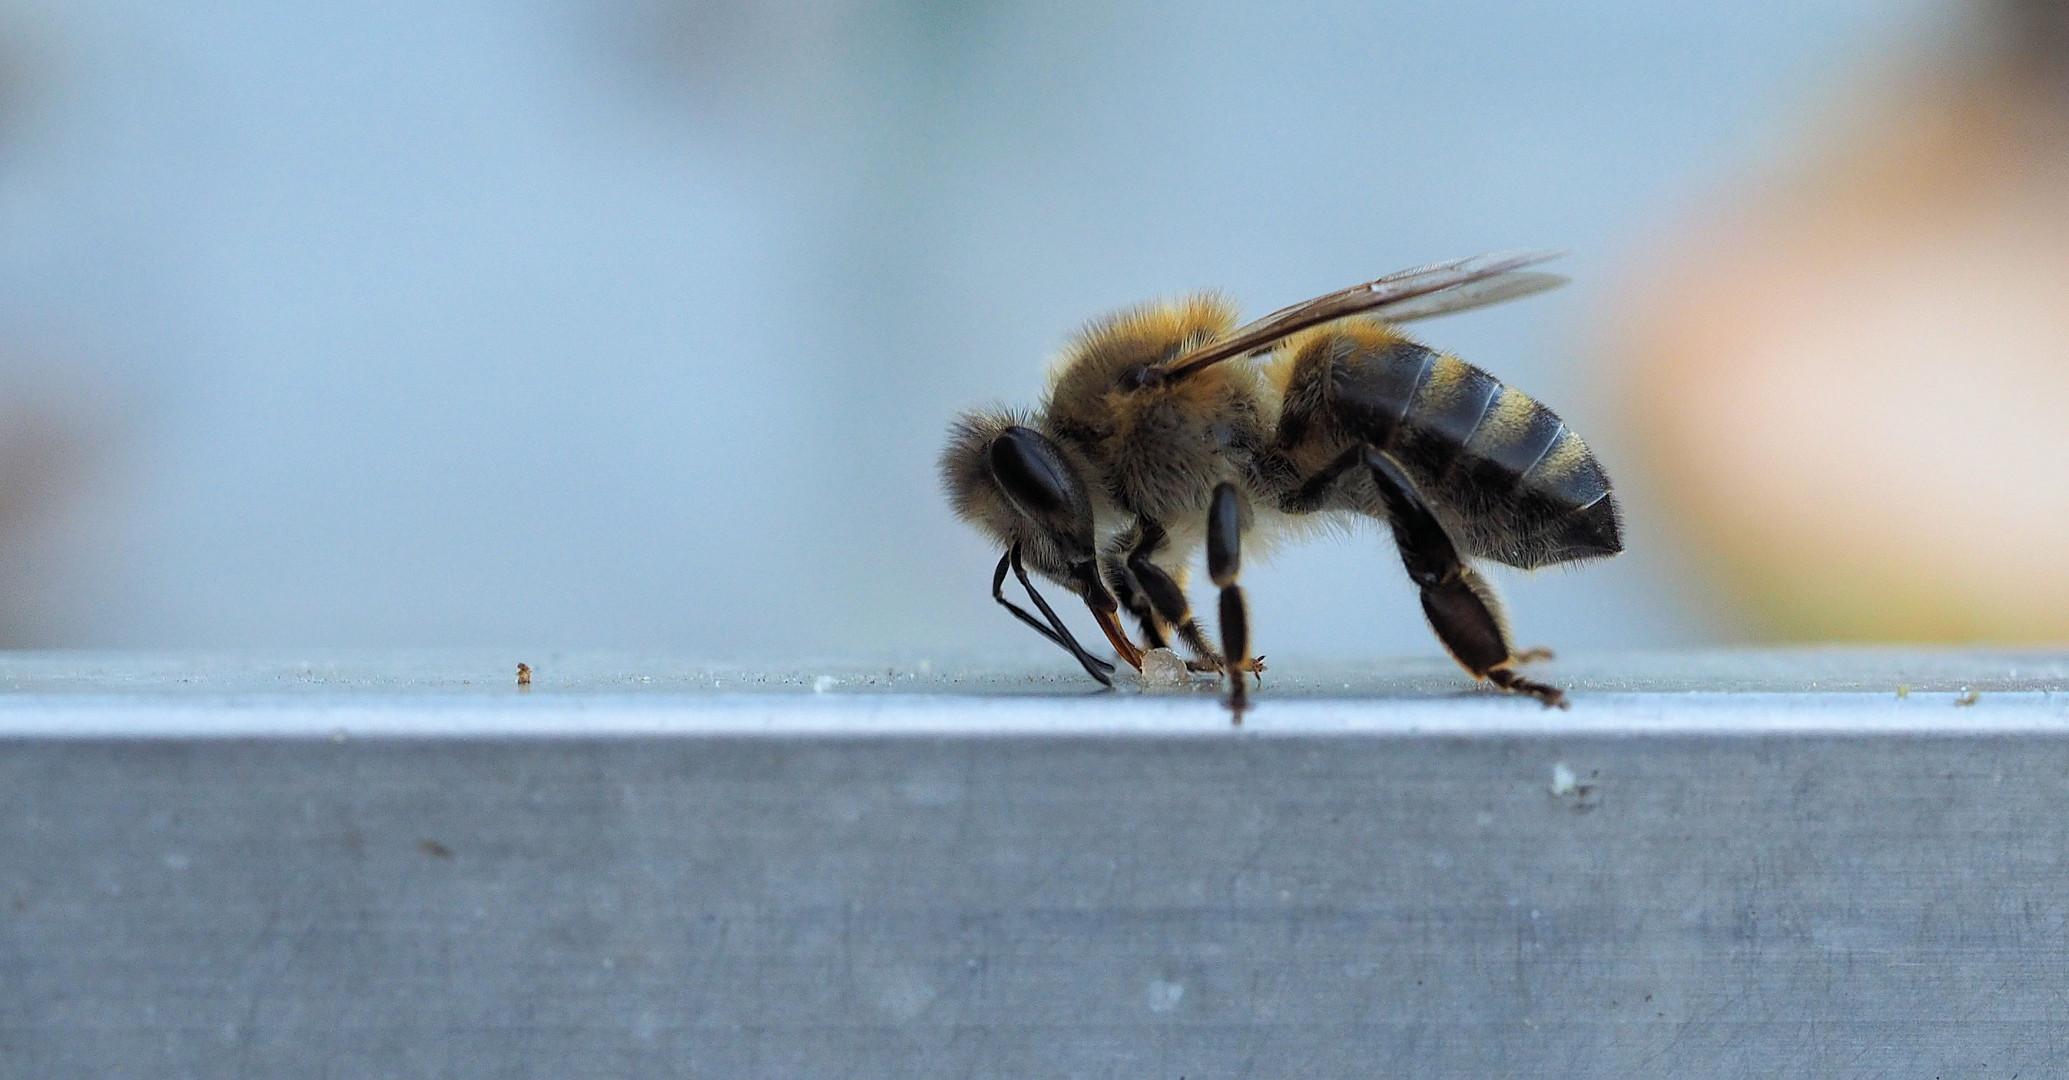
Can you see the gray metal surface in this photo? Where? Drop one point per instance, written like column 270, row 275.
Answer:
column 1457, row 886
column 39, row 678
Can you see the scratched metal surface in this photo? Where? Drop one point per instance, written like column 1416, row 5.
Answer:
column 481, row 674
column 1812, row 896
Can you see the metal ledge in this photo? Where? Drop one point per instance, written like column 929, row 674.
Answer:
column 477, row 695
column 1785, row 880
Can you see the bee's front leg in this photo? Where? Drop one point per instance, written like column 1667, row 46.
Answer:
column 1104, row 612
column 1171, row 615
column 1134, row 601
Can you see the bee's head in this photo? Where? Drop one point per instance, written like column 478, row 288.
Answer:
column 1020, row 489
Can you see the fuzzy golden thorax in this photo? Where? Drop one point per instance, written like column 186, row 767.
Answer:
column 1159, row 447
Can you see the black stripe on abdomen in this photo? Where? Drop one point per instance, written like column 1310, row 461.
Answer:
column 1373, row 388
column 1530, row 489
column 1515, row 436
column 1568, row 474
column 1513, row 433
column 1447, row 409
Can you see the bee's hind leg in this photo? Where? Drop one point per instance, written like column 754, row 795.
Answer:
column 1461, row 609
column 1225, row 565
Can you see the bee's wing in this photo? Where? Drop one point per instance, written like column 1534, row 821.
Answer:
column 1494, row 290
column 1437, row 289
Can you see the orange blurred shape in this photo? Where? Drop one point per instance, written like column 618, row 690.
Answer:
column 1851, row 386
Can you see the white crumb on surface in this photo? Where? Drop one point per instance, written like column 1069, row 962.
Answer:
column 1162, row 669
column 1563, row 780
column 824, row 683
column 1165, row 996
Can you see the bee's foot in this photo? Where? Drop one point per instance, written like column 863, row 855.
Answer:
column 1551, row 696
column 1254, row 666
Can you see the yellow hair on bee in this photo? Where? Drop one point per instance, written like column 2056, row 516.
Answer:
column 1148, row 334
column 1303, row 350
column 1507, row 421
column 965, row 471
column 1141, row 336
column 1447, row 378
column 1164, row 445
column 1566, row 457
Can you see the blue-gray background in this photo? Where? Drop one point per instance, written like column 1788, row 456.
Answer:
column 638, row 322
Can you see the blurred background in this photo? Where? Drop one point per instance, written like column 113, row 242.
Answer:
column 639, row 323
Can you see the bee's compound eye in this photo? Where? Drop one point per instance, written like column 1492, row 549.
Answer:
column 1032, row 474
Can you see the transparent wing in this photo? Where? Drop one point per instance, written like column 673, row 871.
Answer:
column 1426, row 291
column 1492, row 290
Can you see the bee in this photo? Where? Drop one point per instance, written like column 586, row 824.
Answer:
column 1168, row 428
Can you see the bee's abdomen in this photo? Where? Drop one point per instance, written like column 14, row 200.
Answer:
column 1518, row 486
column 1536, row 493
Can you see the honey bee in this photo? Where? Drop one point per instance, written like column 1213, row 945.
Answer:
column 1167, row 429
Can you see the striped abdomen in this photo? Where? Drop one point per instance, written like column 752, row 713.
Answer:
column 1512, row 483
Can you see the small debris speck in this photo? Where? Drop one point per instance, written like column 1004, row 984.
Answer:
column 434, row 849
column 524, row 675
column 1567, row 784
column 824, row 683
column 1903, row 689
column 1165, row 996
column 1969, row 698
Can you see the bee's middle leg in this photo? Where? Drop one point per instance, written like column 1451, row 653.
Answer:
column 1225, row 565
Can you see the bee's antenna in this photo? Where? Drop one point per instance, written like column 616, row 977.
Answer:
column 998, row 593
column 1056, row 632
